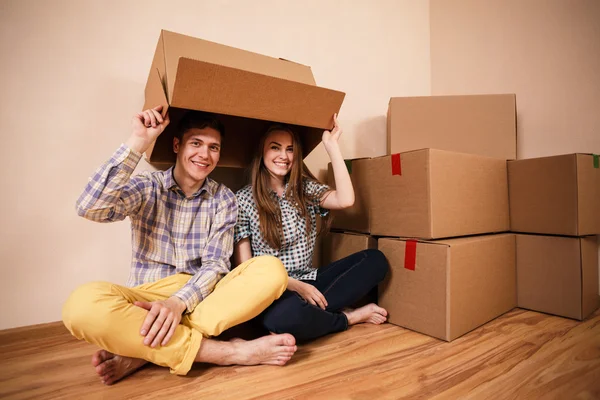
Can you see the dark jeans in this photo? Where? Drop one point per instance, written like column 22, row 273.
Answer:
column 343, row 283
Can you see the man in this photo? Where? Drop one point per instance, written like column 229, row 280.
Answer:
column 182, row 239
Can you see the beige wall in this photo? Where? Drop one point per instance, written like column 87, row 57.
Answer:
column 545, row 51
column 73, row 73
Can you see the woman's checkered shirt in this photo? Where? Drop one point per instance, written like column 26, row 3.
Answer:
column 296, row 248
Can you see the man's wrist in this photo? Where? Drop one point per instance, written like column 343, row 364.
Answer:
column 137, row 144
column 180, row 304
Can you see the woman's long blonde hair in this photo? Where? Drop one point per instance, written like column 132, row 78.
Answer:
column 269, row 213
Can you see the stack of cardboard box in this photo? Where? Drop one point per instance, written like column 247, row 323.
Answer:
column 438, row 204
column 555, row 204
column 438, row 207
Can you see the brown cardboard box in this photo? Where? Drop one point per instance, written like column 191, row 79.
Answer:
column 338, row 245
column 246, row 89
column 355, row 218
column 456, row 285
column 555, row 195
column 477, row 124
column 558, row 275
column 435, row 194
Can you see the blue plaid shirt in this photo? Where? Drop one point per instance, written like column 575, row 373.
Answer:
column 171, row 233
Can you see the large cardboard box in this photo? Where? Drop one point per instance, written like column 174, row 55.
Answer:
column 555, row 195
column 447, row 288
column 357, row 217
column 558, row 275
column 475, row 124
column 337, row 245
column 436, row 194
column 247, row 91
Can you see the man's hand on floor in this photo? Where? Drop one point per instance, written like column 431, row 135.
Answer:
column 161, row 321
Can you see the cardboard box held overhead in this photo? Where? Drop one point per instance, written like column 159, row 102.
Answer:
column 477, row 124
column 436, row 194
column 447, row 288
column 558, row 275
column 555, row 195
column 246, row 90
column 357, row 217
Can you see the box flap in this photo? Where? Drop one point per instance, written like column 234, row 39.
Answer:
column 210, row 87
column 589, row 276
column 588, row 196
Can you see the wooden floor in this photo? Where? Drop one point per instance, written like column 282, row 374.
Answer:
column 522, row 354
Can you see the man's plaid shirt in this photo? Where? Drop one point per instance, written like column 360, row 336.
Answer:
column 171, row 233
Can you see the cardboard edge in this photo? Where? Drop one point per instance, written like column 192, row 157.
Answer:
column 577, row 222
column 516, row 299
column 581, row 288
column 388, row 133
column 448, row 291
column 313, row 81
column 164, row 64
column 430, row 196
column 516, row 128
column 155, row 95
column 588, row 262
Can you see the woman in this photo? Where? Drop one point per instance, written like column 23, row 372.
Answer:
column 277, row 215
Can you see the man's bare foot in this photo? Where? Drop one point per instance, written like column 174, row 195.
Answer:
column 112, row 368
column 371, row 314
column 269, row 350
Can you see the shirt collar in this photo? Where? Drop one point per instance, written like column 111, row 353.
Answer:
column 209, row 185
column 274, row 193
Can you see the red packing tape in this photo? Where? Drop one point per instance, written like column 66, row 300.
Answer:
column 410, row 254
column 396, row 166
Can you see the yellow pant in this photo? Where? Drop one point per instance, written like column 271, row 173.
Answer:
column 103, row 314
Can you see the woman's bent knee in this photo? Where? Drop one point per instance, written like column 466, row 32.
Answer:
column 377, row 262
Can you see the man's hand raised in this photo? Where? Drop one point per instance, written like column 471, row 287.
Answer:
column 146, row 126
column 161, row 321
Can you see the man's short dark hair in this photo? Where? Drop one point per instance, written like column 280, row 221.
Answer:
column 199, row 120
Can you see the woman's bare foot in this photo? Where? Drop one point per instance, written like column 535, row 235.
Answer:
column 112, row 368
column 269, row 350
column 371, row 314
